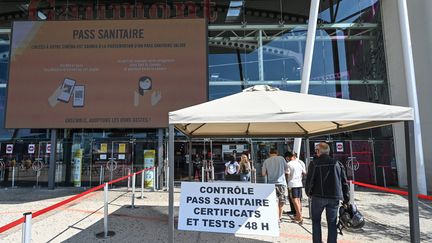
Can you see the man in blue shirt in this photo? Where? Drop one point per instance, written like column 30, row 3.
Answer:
column 275, row 167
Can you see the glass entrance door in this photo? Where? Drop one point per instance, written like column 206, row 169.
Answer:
column 111, row 159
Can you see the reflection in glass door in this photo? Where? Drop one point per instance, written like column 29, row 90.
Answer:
column 357, row 156
column 111, row 159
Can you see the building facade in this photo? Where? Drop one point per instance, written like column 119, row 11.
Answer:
column 357, row 56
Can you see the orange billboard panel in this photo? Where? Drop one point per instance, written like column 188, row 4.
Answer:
column 103, row 73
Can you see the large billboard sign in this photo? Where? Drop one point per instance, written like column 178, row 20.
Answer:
column 105, row 74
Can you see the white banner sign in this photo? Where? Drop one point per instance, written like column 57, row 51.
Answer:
column 226, row 207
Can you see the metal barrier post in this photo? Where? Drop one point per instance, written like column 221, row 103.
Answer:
column 106, row 210
column 133, row 190
column 111, row 169
column 202, row 171
column 101, row 175
column 106, row 233
column 142, row 185
column 157, row 178
column 352, row 195
column 129, row 172
column 384, row 177
column 212, row 170
column 167, row 178
column 90, row 176
column 37, row 178
column 154, row 178
column 26, row 229
column 13, row 177
column 2, row 167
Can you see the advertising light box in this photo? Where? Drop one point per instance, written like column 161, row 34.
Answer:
column 103, row 73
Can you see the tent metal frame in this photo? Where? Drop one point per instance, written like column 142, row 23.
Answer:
column 411, row 169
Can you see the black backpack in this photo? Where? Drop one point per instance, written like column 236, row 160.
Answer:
column 350, row 218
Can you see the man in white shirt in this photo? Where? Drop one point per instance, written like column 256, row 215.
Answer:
column 296, row 170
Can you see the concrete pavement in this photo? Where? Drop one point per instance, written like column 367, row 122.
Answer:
column 386, row 218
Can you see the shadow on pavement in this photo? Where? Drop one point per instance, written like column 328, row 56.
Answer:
column 146, row 224
column 374, row 229
column 25, row 195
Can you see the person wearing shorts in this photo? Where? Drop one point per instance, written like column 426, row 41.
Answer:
column 281, row 192
column 296, row 170
column 275, row 168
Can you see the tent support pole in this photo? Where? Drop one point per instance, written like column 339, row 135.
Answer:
column 412, row 181
column 307, row 65
column 190, row 167
column 307, row 149
column 52, row 160
column 171, row 184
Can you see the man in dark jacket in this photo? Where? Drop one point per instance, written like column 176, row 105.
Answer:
column 326, row 184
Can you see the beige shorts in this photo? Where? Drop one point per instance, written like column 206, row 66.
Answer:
column 281, row 192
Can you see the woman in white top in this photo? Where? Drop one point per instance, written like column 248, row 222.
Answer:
column 232, row 167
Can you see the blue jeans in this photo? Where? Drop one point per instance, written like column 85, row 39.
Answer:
column 331, row 206
column 245, row 176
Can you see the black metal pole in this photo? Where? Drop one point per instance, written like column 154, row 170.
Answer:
column 160, row 157
column 52, row 160
column 190, row 166
column 412, row 182
column 171, row 227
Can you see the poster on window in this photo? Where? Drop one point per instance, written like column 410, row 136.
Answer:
column 31, row 149
column 339, row 147
column 9, row 148
column 77, row 167
column 48, row 148
column 122, row 148
column 149, row 162
column 103, row 147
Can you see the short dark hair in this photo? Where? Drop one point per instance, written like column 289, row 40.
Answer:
column 290, row 154
column 273, row 151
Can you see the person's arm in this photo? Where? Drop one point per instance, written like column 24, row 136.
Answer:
column 226, row 169
column 287, row 171
column 264, row 169
column 309, row 179
column 345, row 185
column 237, row 168
column 303, row 167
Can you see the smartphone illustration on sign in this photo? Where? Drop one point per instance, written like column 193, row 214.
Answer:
column 66, row 90
column 78, row 96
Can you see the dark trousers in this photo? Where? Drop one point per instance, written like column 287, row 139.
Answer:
column 331, row 206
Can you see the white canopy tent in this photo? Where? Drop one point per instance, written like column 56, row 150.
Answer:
column 263, row 111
